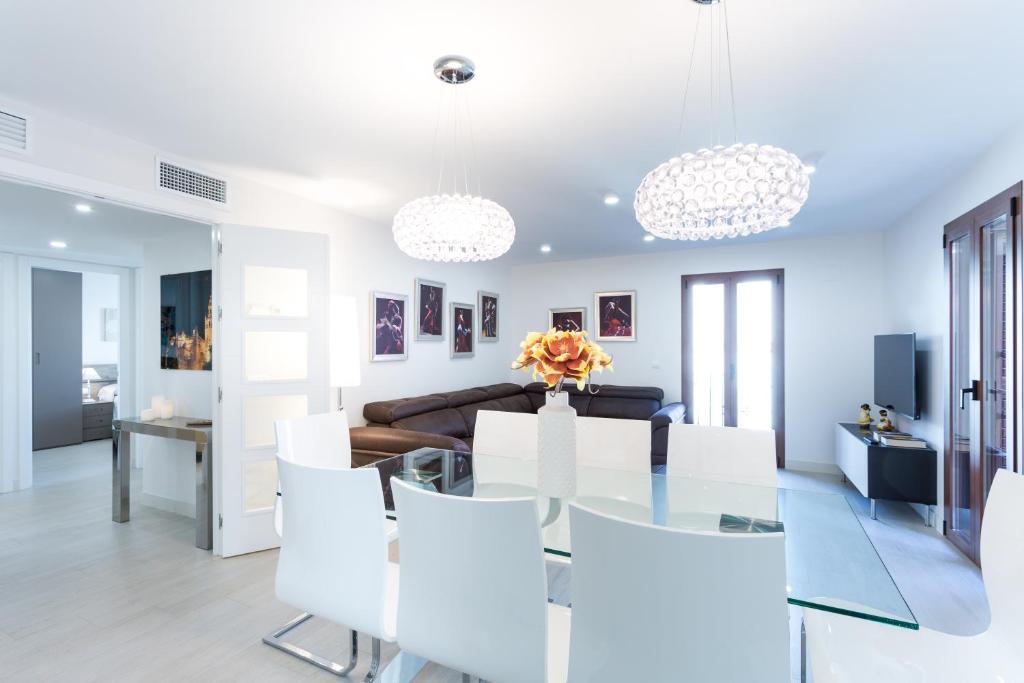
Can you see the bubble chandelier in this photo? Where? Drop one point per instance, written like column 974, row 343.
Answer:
column 721, row 191
column 459, row 226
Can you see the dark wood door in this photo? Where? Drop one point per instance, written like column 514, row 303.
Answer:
column 983, row 279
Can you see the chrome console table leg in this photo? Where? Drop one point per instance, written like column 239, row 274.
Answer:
column 275, row 640
column 874, row 514
column 122, row 470
column 803, row 649
column 204, row 496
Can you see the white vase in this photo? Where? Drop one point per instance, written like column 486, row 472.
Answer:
column 556, row 447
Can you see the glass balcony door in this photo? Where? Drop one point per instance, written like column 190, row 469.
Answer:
column 732, row 351
column 982, row 254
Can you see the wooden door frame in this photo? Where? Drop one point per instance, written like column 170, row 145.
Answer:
column 778, row 334
column 1007, row 203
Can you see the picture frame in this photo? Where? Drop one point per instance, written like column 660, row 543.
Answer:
column 111, row 325
column 430, row 309
column 463, row 317
column 389, row 333
column 567, row 319
column 186, row 321
column 615, row 316
column 488, row 305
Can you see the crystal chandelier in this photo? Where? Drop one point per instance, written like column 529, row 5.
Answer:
column 459, row 226
column 721, row 191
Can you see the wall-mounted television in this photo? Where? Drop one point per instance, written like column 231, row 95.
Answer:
column 896, row 373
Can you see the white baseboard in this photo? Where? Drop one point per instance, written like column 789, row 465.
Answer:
column 176, row 507
column 811, row 466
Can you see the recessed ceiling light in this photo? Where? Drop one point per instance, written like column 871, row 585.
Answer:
column 648, row 238
column 83, row 208
column 57, row 244
column 611, row 199
column 545, row 248
column 810, row 168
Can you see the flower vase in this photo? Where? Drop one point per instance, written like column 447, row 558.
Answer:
column 556, row 447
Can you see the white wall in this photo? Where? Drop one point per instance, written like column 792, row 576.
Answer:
column 833, row 290
column 99, row 291
column 914, row 277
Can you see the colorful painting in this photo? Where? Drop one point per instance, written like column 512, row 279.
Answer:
column 487, row 302
column 616, row 316
column 186, row 321
column 462, row 330
column 567, row 319
column 429, row 310
column 389, row 340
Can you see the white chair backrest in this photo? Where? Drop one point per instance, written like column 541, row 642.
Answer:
column 657, row 604
column 613, row 443
column 474, row 587
column 1002, row 557
column 315, row 440
column 334, row 549
column 727, row 453
column 507, row 435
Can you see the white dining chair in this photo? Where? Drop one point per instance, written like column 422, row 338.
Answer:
column 844, row 649
column 505, row 435
column 745, row 456
column 614, row 466
column 474, row 587
column 652, row 603
column 334, row 558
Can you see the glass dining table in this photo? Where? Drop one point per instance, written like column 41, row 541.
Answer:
column 831, row 564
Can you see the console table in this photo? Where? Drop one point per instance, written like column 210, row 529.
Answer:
column 174, row 428
column 887, row 472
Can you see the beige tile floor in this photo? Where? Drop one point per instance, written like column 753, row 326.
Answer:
column 83, row 599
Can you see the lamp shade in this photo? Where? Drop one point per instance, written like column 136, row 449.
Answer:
column 89, row 374
column 344, row 341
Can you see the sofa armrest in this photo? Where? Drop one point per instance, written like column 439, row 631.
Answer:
column 660, row 421
column 376, row 443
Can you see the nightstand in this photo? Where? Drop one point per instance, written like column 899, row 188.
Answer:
column 97, row 418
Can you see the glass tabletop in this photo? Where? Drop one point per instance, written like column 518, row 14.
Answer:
column 831, row 564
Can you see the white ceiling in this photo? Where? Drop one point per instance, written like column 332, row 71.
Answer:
column 335, row 99
column 32, row 217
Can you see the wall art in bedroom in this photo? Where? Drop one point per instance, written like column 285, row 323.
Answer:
column 186, row 321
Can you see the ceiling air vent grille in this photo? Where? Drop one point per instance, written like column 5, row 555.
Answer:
column 176, row 178
column 13, row 131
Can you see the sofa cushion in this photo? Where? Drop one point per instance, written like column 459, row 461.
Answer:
column 386, row 412
column 622, row 408
column 501, row 390
column 447, row 421
column 465, row 397
column 508, row 404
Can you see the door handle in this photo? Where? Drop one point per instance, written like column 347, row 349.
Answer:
column 37, row 358
column 974, row 390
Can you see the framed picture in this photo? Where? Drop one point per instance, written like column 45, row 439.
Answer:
column 186, row 321
column 111, row 325
column 462, row 330
column 389, row 338
column 616, row 316
column 487, row 303
column 429, row 310
column 567, row 319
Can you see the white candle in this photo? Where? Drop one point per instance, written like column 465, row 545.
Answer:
column 156, row 403
column 147, row 415
column 167, row 410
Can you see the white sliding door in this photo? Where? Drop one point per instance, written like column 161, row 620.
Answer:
column 273, row 364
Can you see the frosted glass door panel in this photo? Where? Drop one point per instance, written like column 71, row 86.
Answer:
column 259, row 483
column 276, row 356
column 708, row 325
column 276, row 292
column 260, row 413
column 754, row 354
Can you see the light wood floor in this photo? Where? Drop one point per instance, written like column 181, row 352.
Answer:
column 84, row 599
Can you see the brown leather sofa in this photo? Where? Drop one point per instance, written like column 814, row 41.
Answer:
column 448, row 420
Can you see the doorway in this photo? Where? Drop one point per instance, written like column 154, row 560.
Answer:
column 733, row 351
column 982, row 262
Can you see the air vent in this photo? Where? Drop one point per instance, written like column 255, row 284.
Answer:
column 13, row 132
column 178, row 179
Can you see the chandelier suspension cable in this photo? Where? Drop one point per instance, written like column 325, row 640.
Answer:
column 689, row 72
column 438, row 153
column 473, row 160
column 732, row 87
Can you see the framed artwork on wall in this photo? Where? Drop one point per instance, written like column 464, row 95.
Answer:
column 462, row 330
column 487, row 304
column 616, row 316
column 567, row 319
column 186, row 321
column 429, row 310
column 389, row 336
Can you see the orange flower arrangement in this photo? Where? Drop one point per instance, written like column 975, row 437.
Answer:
column 559, row 356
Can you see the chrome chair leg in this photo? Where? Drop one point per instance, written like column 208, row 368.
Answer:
column 275, row 640
column 371, row 675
